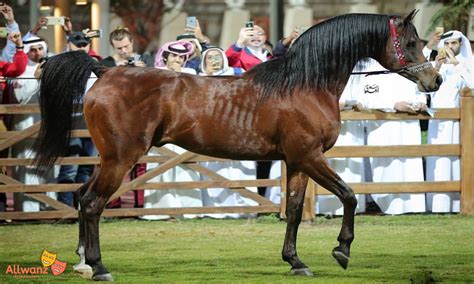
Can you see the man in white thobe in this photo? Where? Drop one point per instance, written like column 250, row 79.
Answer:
column 454, row 65
column 391, row 93
column 25, row 91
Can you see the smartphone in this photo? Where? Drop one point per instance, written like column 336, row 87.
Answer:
column 94, row 33
column 441, row 52
column 191, row 22
column 55, row 21
column 439, row 30
column 3, row 32
column 249, row 24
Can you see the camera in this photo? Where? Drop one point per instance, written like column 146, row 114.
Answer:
column 191, row 22
column 442, row 52
column 93, row 33
column 249, row 24
column 3, row 32
column 131, row 61
column 55, row 21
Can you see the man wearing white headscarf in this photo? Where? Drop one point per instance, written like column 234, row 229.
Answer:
column 25, row 91
column 454, row 64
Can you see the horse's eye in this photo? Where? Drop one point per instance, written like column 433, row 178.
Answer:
column 411, row 43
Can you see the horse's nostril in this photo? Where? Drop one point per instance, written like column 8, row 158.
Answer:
column 439, row 80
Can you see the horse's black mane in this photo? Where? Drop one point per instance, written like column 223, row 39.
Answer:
column 324, row 55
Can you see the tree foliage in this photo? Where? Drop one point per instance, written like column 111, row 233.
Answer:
column 454, row 15
column 142, row 18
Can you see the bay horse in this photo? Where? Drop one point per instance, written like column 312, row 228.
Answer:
column 284, row 109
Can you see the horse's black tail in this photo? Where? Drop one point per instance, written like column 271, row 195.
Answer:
column 63, row 82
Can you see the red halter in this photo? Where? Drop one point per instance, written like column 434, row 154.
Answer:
column 396, row 43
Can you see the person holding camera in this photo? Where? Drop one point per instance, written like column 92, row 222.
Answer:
column 81, row 41
column 11, row 69
column 12, row 26
column 26, row 91
column 121, row 40
column 78, row 146
column 214, row 63
column 249, row 50
column 454, row 64
column 194, row 35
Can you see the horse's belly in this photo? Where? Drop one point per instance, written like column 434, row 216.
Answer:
column 232, row 149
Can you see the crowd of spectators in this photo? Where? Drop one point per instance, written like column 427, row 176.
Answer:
column 193, row 53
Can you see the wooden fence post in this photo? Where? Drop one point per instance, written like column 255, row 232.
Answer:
column 310, row 201
column 467, row 151
column 283, row 191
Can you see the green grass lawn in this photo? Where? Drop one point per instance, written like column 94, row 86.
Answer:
column 414, row 248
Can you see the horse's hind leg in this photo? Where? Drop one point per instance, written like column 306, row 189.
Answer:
column 106, row 181
column 296, row 183
column 82, row 268
column 319, row 170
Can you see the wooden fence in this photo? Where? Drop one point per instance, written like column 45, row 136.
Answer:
column 169, row 159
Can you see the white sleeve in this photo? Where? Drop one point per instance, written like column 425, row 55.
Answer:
column 9, row 51
column 427, row 52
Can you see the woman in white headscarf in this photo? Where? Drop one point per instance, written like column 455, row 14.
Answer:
column 214, row 63
column 454, row 65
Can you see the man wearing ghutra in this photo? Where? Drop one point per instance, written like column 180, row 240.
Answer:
column 454, row 64
column 25, row 91
column 173, row 56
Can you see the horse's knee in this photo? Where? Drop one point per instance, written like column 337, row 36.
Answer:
column 349, row 199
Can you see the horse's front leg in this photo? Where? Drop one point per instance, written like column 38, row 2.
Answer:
column 296, row 187
column 319, row 170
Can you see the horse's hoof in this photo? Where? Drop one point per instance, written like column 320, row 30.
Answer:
column 103, row 277
column 84, row 270
column 341, row 258
column 301, row 272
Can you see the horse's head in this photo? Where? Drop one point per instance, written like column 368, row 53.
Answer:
column 404, row 53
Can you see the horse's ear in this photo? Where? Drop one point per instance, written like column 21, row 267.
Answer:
column 409, row 18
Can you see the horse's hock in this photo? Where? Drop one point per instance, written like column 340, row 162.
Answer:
column 170, row 159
